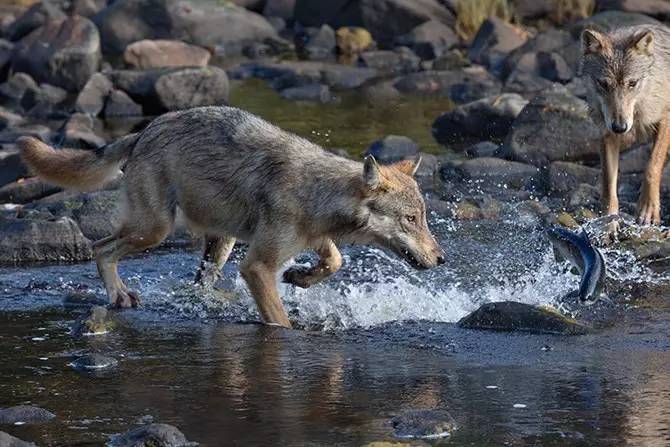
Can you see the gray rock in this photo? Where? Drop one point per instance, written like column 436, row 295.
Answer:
column 550, row 41
column 482, row 149
column 93, row 361
column 492, row 172
column 36, row 16
column 513, row 316
column 385, row 19
column 25, row 413
column 192, row 87
column 9, row 118
column 91, row 99
column 462, row 86
column 635, row 159
column 423, row 424
column 25, row 191
column 97, row 321
column 152, row 435
column 83, row 298
column 45, row 102
column 553, row 67
column 584, row 195
column 393, row 148
column 316, row 43
column 6, row 51
column 390, row 62
column 27, row 240
column 78, row 132
column 15, row 88
column 119, row 104
column 429, row 40
column 564, row 177
column 99, row 214
column 493, row 41
column 7, row 440
column 554, row 127
column 279, row 8
column 164, row 53
column 11, row 166
column 659, row 9
column 64, row 53
column 310, row 92
column 609, row 20
column 10, row 135
column 487, row 118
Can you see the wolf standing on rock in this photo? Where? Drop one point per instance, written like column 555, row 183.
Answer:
column 628, row 77
column 235, row 176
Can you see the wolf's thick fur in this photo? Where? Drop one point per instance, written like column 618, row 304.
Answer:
column 235, row 176
column 627, row 73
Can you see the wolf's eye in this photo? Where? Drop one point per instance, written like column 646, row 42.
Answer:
column 603, row 84
column 411, row 218
column 632, row 83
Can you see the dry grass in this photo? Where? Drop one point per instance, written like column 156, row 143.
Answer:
column 567, row 10
column 470, row 14
column 17, row 2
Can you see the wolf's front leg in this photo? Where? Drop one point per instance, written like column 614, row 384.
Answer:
column 649, row 203
column 259, row 273
column 330, row 261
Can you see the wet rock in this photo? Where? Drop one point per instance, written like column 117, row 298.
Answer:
column 224, row 27
column 27, row 240
column 91, row 99
column 385, row 19
column 93, row 361
column 78, row 132
column 164, row 53
column 554, row 127
column 429, row 40
column 310, row 92
column 64, row 53
column 494, row 40
column 45, row 102
column 635, row 159
column 584, row 195
column 26, row 190
column 390, row 62
column 393, row 148
column 25, row 413
column 482, row 149
column 423, row 424
column 513, row 316
column 97, row 321
column 487, row 118
column 119, row 104
column 659, row 9
column 192, row 87
column 550, row 41
column 494, row 172
column 316, row 43
column 11, row 166
column 7, row 440
column 564, row 177
column 353, row 40
column 609, row 20
column 36, row 16
column 462, row 86
column 98, row 215
column 83, row 298
column 152, row 435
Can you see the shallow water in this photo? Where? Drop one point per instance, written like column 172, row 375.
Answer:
column 379, row 340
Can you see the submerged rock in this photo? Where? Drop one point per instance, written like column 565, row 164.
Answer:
column 513, row 316
column 152, row 435
column 423, row 424
column 94, row 361
column 7, row 440
column 27, row 414
column 97, row 321
column 393, row 148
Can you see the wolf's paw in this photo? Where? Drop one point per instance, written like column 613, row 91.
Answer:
column 125, row 299
column 649, row 211
column 298, row 276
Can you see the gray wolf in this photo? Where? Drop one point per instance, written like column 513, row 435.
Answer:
column 627, row 73
column 578, row 250
column 237, row 177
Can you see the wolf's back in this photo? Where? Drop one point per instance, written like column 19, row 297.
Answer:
column 72, row 168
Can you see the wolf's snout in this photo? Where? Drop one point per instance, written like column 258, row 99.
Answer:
column 619, row 127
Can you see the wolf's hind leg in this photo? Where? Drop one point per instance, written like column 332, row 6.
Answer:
column 110, row 250
column 217, row 251
column 330, row 261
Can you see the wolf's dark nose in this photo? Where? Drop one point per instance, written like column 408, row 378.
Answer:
column 619, row 127
column 441, row 260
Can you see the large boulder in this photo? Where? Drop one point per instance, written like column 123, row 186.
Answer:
column 27, row 414
column 7, row 440
column 487, row 118
column 494, row 40
column 164, row 53
column 227, row 27
column 37, row 240
column 154, row 435
column 385, row 19
column 564, row 177
column 429, row 40
column 37, row 15
column 554, row 127
column 513, row 316
column 393, row 148
column 659, row 9
column 492, row 172
column 64, row 53
column 462, row 85
column 98, row 215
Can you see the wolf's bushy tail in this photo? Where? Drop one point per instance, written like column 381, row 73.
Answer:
column 73, row 168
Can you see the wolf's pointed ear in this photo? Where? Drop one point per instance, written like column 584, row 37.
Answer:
column 593, row 42
column 408, row 167
column 371, row 173
column 643, row 43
